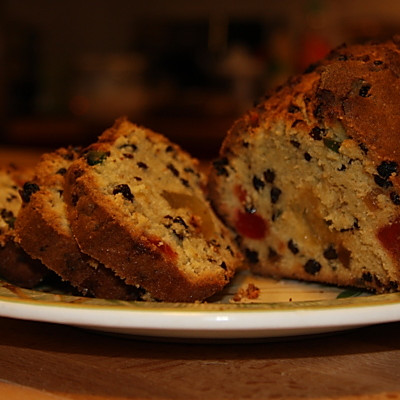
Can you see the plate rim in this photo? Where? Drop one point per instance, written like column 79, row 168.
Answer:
column 19, row 295
column 202, row 320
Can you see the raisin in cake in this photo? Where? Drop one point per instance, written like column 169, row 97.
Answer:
column 44, row 232
column 309, row 178
column 15, row 265
column 136, row 204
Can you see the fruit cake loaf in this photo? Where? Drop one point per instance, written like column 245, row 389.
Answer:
column 15, row 265
column 136, row 203
column 309, row 178
column 44, row 232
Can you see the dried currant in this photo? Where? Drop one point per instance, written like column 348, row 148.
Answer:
column 269, row 175
column 317, row 133
column 142, row 165
column 395, row 197
column 275, row 194
column 387, row 168
column 366, row 277
column 312, row 267
column 258, row 184
column 364, row 90
column 8, row 217
column 185, row 182
column 173, row 169
column 252, row 256
column 295, row 143
column 28, row 189
column 293, row 246
column 382, row 182
column 330, row 253
column 220, row 166
column 125, row 190
column 179, row 220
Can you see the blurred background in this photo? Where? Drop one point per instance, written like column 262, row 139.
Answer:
column 184, row 68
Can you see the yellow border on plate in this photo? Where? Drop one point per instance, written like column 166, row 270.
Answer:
column 13, row 294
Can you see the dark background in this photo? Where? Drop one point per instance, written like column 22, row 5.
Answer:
column 187, row 69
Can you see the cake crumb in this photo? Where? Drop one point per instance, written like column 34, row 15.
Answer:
column 252, row 292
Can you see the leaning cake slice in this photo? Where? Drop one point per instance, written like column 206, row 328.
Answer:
column 15, row 265
column 44, row 232
column 309, row 178
column 136, row 204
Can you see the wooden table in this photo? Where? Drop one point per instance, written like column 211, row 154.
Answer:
column 44, row 361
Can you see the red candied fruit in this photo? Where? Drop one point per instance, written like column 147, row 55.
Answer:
column 389, row 236
column 252, row 226
column 240, row 193
column 165, row 248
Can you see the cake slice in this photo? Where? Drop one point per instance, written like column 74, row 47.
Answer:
column 136, row 203
column 15, row 265
column 44, row 232
column 309, row 178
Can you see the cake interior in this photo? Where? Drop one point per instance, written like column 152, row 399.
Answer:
column 158, row 193
column 310, row 205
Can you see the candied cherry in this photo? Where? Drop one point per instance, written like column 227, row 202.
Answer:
column 389, row 236
column 252, row 226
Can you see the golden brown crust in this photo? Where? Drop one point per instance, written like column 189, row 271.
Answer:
column 363, row 92
column 41, row 234
column 138, row 260
column 357, row 86
column 338, row 123
column 42, row 241
column 140, row 257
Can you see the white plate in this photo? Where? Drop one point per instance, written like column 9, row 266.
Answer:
column 282, row 309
